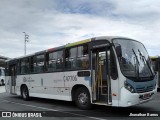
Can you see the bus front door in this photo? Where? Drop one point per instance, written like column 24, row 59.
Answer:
column 12, row 72
column 101, row 90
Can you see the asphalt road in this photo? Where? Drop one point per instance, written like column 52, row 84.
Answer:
column 58, row 110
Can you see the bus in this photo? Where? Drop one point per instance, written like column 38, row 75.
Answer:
column 2, row 76
column 104, row 70
column 156, row 66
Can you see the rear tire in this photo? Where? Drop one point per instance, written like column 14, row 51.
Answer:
column 82, row 98
column 25, row 93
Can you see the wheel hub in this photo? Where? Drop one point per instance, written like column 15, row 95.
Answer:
column 83, row 98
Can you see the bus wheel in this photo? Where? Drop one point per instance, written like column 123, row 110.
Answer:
column 82, row 98
column 25, row 93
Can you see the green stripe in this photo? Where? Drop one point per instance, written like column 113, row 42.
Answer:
column 78, row 43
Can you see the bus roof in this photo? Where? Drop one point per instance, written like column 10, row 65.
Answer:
column 109, row 38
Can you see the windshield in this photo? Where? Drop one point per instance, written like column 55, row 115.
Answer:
column 133, row 58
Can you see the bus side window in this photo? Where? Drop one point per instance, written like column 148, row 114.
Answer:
column 82, row 57
column 59, row 60
column 27, row 65
column 71, row 58
column 52, row 61
column 18, row 67
column 67, row 62
column 33, row 64
column 77, row 57
column 46, row 61
column 40, row 64
column 55, row 61
column 24, row 66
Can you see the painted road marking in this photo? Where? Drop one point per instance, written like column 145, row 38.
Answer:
column 53, row 110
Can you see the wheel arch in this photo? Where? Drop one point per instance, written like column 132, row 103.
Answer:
column 75, row 87
column 22, row 87
column 25, row 92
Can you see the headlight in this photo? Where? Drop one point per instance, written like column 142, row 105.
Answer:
column 129, row 87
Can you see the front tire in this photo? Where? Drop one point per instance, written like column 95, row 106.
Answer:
column 82, row 98
column 25, row 93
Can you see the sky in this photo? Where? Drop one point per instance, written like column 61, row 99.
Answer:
column 52, row 23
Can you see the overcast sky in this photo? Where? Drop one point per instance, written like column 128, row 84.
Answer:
column 51, row 23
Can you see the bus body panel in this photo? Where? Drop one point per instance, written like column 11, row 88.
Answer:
column 49, row 85
column 115, row 92
column 59, row 84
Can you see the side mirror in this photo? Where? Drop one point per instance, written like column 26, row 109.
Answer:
column 119, row 51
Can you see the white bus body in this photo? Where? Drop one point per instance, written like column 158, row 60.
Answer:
column 96, row 77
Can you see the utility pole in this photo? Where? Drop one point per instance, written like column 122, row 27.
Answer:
column 26, row 39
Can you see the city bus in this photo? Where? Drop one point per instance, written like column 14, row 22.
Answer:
column 156, row 66
column 105, row 70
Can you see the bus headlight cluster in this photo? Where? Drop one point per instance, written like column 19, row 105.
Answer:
column 129, row 87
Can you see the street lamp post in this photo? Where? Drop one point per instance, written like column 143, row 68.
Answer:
column 26, row 39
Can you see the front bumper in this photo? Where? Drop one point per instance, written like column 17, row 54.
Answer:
column 129, row 99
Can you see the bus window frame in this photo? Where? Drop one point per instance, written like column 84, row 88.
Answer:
column 109, row 46
column 76, row 46
column 20, row 62
column 56, row 70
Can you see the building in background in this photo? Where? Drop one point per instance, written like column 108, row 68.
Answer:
column 2, row 60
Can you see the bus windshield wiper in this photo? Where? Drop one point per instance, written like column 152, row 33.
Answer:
column 137, row 63
column 144, row 59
